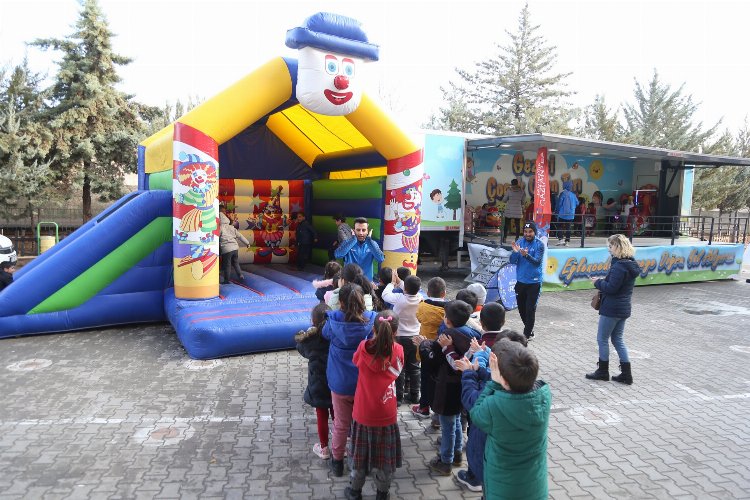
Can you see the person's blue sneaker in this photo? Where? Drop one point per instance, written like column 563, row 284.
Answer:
column 468, row 480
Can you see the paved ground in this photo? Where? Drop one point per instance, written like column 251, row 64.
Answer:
column 124, row 413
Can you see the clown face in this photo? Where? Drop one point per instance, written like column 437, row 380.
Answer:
column 327, row 82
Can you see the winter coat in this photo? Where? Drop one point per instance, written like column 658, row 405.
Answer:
column 472, row 385
column 305, row 233
column 345, row 338
column 566, row 203
column 447, row 399
column 6, row 279
column 430, row 314
column 313, row 347
column 515, row 456
column 617, row 288
column 514, row 198
column 529, row 268
column 229, row 236
column 362, row 254
column 375, row 403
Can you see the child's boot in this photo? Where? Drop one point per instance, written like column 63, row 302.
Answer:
column 625, row 377
column 382, row 495
column 601, row 373
column 337, row 468
column 352, row 494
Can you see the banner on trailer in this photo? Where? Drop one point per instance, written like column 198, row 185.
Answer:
column 571, row 268
column 542, row 205
column 195, row 214
column 485, row 262
column 442, row 183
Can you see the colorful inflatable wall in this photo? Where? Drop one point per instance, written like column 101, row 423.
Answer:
column 279, row 140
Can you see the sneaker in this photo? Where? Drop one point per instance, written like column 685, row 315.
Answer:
column 458, row 458
column 337, row 467
column 565, row 243
column 439, row 466
column 351, row 494
column 421, row 411
column 530, row 337
column 322, row 451
column 471, row 482
column 560, row 243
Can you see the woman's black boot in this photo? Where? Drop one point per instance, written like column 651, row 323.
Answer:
column 625, row 377
column 601, row 373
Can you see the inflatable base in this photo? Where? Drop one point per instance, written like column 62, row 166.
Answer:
column 262, row 312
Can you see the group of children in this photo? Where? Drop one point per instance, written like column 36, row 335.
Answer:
column 451, row 357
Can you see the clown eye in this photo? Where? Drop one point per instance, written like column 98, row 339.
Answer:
column 332, row 65
column 348, row 67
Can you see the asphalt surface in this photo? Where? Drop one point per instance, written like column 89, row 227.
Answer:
column 125, row 413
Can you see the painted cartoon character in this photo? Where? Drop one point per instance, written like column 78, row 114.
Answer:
column 437, row 197
column 273, row 222
column 199, row 184
column 407, row 214
column 470, row 169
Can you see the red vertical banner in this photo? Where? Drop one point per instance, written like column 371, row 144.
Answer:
column 542, row 206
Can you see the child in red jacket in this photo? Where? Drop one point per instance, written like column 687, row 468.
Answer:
column 376, row 442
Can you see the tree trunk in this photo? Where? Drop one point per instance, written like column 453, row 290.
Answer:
column 86, row 201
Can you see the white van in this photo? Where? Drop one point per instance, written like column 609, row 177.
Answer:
column 7, row 252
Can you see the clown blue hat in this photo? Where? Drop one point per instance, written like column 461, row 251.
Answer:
column 335, row 33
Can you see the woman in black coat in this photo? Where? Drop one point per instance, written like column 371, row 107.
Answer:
column 617, row 295
column 312, row 346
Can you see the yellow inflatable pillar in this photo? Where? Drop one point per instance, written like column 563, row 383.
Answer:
column 195, row 210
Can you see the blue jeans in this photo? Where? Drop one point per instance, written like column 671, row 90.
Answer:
column 611, row 329
column 452, row 438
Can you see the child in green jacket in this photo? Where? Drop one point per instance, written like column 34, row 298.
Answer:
column 514, row 411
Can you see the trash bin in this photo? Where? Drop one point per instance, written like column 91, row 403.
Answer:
column 45, row 243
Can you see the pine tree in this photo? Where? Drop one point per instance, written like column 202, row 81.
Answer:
column 457, row 116
column 662, row 117
column 517, row 91
column 600, row 122
column 96, row 128
column 453, row 198
column 25, row 143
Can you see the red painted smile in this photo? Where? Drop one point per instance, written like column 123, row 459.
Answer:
column 338, row 98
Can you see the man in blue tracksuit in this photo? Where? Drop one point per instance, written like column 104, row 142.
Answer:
column 566, row 213
column 528, row 255
column 361, row 250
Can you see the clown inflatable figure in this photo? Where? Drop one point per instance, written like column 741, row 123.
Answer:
column 332, row 50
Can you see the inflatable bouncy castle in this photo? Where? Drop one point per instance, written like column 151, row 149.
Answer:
column 295, row 135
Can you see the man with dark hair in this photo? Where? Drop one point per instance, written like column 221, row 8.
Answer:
column 528, row 255
column 343, row 233
column 361, row 250
column 306, row 236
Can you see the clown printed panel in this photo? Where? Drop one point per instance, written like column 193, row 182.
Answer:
column 262, row 211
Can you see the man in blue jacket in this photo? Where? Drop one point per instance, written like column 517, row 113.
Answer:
column 566, row 213
column 528, row 256
column 361, row 250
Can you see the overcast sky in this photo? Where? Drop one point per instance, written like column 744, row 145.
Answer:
column 182, row 48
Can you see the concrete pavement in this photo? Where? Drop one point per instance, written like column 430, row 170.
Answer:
column 124, row 413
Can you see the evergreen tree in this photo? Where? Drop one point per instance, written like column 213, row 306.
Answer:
column 96, row 128
column 600, row 122
column 517, row 91
column 25, row 144
column 453, row 198
column 663, row 117
column 457, row 116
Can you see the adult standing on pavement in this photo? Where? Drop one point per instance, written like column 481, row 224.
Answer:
column 615, row 307
column 362, row 249
column 343, row 233
column 528, row 255
column 514, row 198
